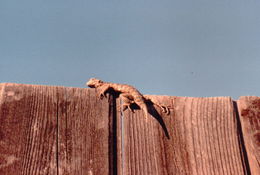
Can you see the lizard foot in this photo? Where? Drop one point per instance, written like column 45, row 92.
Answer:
column 119, row 109
column 165, row 109
column 102, row 95
column 127, row 106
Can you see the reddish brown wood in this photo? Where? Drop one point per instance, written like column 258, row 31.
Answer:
column 203, row 139
column 84, row 137
column 58, row 130
column 55, row 130
column 28, row 125
column 249, row 109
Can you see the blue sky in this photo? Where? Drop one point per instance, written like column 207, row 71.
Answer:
column 166, row 47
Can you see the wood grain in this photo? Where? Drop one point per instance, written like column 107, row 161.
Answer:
column 66, row 131
column 84, row 133
column 249, row 109
column 203, row 139
column 28, row 125
column 55, row 130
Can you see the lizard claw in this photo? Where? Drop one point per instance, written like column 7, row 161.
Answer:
column 165, row 109
column 128, row 106
column 102, row 95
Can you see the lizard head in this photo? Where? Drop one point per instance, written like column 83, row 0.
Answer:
column 93, row 82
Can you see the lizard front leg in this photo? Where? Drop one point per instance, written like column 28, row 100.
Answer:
column 102, row 90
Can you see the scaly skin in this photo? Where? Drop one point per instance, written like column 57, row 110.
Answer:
column 128, row 94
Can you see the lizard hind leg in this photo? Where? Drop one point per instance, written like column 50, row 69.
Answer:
column 164, row 109
column 127, row 106
column 126, row 103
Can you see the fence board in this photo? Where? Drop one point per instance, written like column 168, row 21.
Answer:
column 55, row 130
column 84, row 136
column 203, row 139
column 58, row 130
column 28, row 125
column 249, row 109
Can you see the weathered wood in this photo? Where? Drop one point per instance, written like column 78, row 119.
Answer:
column 203, row 139
column 28, row 125
column 55, row 130
column 58, row 130
column 249, row 109
column 84, row 133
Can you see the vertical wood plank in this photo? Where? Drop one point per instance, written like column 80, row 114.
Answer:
column 203, row 139
column 28, row 125
column 85, row 133
column 249, row 109
column 57, row 130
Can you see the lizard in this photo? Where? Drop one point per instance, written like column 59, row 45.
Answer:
column 127, row 93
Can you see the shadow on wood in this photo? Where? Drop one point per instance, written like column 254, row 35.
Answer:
column 59, row 130
column 249, row 110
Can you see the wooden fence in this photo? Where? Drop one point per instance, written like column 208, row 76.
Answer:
column 70, row 131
